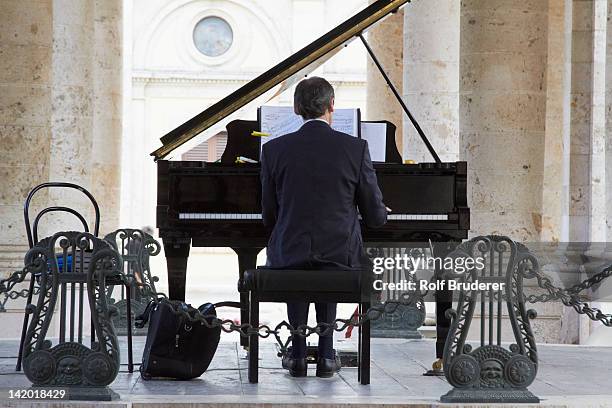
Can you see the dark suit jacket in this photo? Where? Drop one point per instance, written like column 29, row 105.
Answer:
column 313, row 182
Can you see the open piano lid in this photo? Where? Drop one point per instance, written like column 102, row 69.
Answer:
column 286, row 73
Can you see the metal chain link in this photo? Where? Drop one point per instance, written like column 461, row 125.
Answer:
column 7, row 285
column 192, row 315
column 576, row 289
column 569, row 297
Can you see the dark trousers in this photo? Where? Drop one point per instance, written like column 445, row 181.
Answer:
column 298, row 315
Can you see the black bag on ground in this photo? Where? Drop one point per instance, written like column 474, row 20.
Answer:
column 177, row 347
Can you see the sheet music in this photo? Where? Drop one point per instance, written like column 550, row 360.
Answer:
column 376, row 135
column 346, row 121
column 280, row 120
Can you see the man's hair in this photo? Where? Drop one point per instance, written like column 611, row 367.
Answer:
column 313, row 96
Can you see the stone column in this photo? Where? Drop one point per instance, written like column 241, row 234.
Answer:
column 588, row 195
column 107, row 71
column 72, row 115
column 60, row 80
column 431, row 78
column 608, row 113
column 587, row 154
column 555, row 182
column 26, row 32
column 502, row 113
column 86, row 119
column 598, row 334
column 386, row 40
column 26, row 48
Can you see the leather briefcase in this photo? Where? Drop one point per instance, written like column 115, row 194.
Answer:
column 176, row 346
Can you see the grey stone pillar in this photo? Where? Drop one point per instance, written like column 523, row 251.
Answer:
column 26, row 49
column 72, row 98
column 502, row 113
column 60, row 115
column 86, row 119
column 431, row 78
column 106, row 134
column 587, row 151
column 555, row 182
column 608, row 113
column 588, row 160
column 386, row 40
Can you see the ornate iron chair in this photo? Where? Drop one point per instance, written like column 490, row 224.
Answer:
column 32, row 234
column 135, row 247
column 491, row 373
column 72, row 258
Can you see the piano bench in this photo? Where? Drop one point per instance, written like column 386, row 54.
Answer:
column 293, row 285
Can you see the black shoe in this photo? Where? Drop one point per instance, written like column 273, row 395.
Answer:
column 326, row 367
column 296, row 366
column 286, row 358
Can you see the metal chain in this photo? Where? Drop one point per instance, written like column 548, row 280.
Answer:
column 7, row 285
column 569, row 297
column 573, row 290
column 192, row 315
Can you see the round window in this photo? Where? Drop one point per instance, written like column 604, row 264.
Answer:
column 213, row 36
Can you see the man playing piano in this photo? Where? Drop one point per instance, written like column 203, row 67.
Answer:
column 314, row 181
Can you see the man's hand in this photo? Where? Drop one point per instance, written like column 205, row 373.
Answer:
column 388, row 209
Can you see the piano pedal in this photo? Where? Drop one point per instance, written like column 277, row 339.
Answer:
column 437, row 369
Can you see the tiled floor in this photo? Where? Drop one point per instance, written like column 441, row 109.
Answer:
column 578, row 372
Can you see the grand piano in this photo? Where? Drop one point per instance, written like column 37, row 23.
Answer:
column 218, row 204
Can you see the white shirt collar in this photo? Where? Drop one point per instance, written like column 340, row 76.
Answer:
column 322, row 120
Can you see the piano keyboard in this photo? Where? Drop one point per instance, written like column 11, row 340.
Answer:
column 236, row 216
column 417, row 217
column 218, row 216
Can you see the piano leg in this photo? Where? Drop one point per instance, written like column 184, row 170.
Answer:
column 177, row 253
column 444, row 301
column 247, row 259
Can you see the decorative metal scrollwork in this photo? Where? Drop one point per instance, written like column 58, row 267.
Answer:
column 491, row 373
column 135, row 247
column 84, row 258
